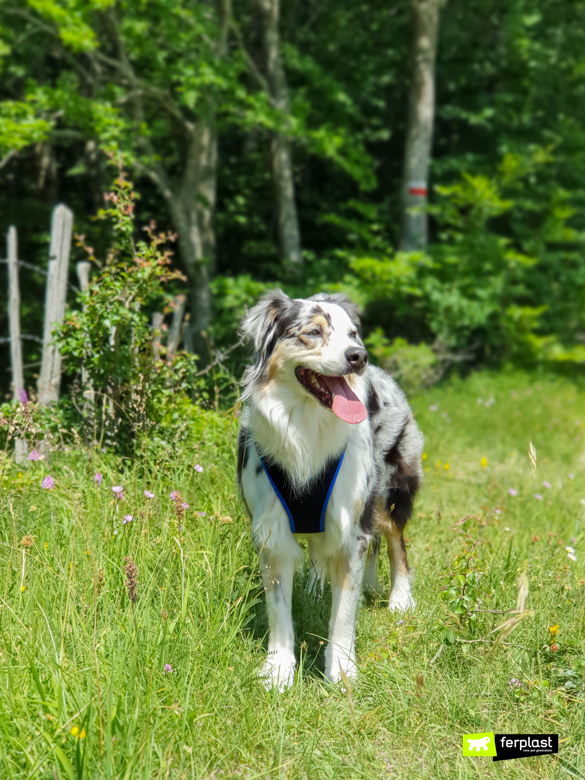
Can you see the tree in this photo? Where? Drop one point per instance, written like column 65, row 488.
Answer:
column 163, row 71
column 419, row 134
column 280, row 149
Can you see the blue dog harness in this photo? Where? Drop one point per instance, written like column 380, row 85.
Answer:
column 306, row 512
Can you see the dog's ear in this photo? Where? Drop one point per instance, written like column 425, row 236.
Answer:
column 342, row 300
column 263, row 324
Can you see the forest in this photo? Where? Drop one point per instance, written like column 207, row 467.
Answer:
column 427, row 158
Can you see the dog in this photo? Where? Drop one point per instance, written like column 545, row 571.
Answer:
column 328, row 451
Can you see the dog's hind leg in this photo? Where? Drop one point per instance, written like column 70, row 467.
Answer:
column 371, row 575
column 347, row 571
column 400, row 576
column 277, row 575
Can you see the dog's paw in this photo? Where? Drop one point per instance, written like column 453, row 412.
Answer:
column 401, row 602
column 338, row 664
column 278, row 671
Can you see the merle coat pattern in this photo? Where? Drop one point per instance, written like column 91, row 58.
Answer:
column 300, row 348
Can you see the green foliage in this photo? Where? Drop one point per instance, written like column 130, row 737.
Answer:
column 503, row 279
column 135, row 388
column 413, row 366
column 20, row 126
column 461, row 593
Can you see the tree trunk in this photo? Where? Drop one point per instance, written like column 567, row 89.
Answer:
column 280, row 150
column 421, row 112
column 192, row 210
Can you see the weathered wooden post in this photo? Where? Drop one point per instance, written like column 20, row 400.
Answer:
column 50, row 376
column 83, row 276
column 175, row 329
column 15, row 340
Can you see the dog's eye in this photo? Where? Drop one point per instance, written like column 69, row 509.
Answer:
column 353, row 334
column 314, row 332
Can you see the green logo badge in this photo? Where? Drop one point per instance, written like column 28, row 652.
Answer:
column 479, row 744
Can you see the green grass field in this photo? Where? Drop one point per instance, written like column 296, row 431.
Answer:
column 93, row 686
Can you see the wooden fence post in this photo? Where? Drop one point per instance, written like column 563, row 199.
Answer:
column 175, row 329
column 50, row 376
column 83, row 276
column 15, row 340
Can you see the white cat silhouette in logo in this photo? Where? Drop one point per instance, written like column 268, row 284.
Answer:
column 479, row 744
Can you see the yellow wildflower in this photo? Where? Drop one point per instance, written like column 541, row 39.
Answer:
column 82, row 735
column 22, row 587
column 554, row 630
column 446, row 467
column 424, row 456
column 75, row 731
column 483, row 463
column 438, row 464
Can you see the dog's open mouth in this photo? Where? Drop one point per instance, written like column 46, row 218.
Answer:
column 333, row 392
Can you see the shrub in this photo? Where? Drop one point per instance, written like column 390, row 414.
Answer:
column 126, row 386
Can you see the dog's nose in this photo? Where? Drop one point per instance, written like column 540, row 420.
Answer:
column 357, row 357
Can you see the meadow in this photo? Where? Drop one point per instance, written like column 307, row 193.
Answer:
column 132, row 625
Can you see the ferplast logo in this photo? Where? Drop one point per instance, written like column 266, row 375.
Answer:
column 479, row 744
column 503, row 747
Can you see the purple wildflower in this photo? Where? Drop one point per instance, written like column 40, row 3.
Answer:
column 497, row 511
column 198, row 468
column 23, row 396
column 400, row 622
column 117, row 489
column 148, row 494
column 201, row 514
column 185, row 505
column 127, row 519
column 571, row 476
column 174, row 495
column 48, row 483
column 98, row 479
column 546, row 484
column 514, row 683
column 34, row 455
column 513, row 492
column 538, row 497
column 168, row 668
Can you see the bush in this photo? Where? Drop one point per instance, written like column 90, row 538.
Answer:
column 126, row 387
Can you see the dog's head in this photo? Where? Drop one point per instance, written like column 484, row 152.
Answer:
column 313, row 346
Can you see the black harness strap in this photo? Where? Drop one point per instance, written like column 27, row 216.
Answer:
column 306, row 512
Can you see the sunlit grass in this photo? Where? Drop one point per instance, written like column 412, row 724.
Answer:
column 94, row 686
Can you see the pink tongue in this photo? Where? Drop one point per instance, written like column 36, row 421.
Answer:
column 346, row 405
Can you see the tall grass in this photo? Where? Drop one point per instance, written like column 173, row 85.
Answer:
column 96, row 686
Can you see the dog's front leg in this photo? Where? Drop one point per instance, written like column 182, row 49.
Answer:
column 277, row 575
column 347, row 571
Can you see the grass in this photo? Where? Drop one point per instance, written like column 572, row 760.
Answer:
column 84, row 691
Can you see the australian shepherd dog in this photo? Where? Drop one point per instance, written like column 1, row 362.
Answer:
column 328, row 452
